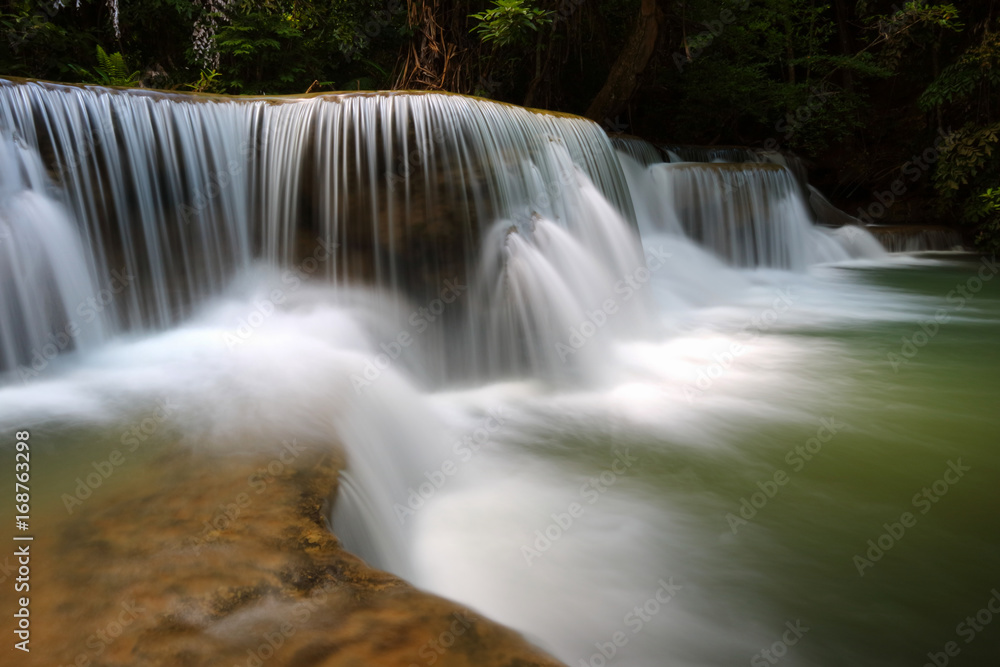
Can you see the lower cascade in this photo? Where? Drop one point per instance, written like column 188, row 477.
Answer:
column 539, row 348
column 750, row 214
column 917, row 238
column 45, row 273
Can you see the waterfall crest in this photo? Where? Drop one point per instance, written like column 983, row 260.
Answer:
column 396, row 190
column 407, row 192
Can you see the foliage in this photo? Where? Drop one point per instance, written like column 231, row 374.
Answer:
column 110, row 71
column 207, row 82
column 914, row 24
column 273, row 46
column 968, row 153
column 986, row 212
column 968, row 170
column 976, row 70
column 258, row 49
column 510, row 22
column 284, row 46
column 861, row 82
column 764, row 69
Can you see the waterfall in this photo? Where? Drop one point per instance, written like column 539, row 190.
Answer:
column 750, row 207
column 501, row 243
column 396, row 190
column 47, row 297
column 527, row 220
column 640, row 150
column 635, row 402
column 917, row 238
column 713, row 154
column 751, row 214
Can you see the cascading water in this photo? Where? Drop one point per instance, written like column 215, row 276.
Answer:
column 554, row 367
column 640, row 150
column 917, row 238
column 751, row 214
column 398, row 190
column 764, row 214
column 45, row 275
column 712, row 154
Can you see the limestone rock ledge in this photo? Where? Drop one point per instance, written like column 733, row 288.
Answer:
column 227, row 560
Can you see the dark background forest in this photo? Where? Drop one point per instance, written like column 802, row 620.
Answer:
column 887, row 102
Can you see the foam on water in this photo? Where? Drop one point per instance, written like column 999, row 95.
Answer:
column 613, row 310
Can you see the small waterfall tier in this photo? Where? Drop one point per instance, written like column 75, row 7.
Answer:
column 917, row 238
column 751, row 214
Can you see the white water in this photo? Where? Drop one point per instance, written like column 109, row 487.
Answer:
column 292, row 380
column 45, row 275
column 917, row 238
column 572, row 340
column 748, row 214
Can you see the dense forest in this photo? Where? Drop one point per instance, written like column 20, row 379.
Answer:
column 891, row 104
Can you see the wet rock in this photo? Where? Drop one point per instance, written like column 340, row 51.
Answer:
column 212, row 560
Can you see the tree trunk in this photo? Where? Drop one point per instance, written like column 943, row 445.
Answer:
column 624, row 75
column 789, row 50
column 533, row 97
column 844, row 32
column 436, row 58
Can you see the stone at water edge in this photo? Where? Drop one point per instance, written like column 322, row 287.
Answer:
column 199, row 561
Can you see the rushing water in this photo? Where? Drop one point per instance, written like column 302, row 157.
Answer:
column 645, row 413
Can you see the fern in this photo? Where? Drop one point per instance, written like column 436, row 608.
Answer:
column 112, row 71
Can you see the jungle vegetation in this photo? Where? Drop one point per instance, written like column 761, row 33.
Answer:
column 860, row 88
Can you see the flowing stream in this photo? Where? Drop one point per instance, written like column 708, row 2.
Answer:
column 643, row 410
